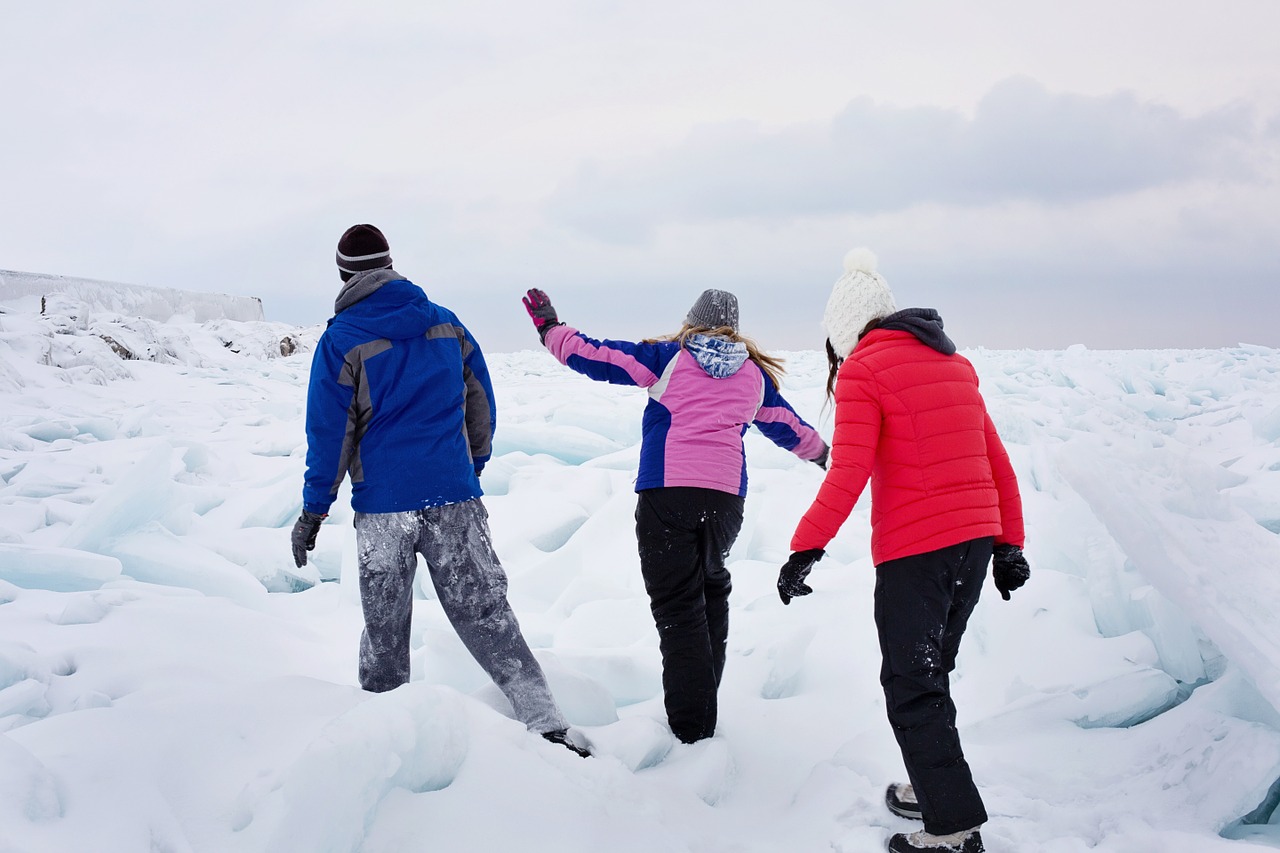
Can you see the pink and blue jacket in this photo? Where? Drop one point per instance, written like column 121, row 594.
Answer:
column 702, row 398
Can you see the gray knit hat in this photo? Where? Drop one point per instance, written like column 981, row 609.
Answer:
column 714, row 308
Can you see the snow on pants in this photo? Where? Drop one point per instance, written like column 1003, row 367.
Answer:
column 922, row 605
column 684, row 535
column 472, row 588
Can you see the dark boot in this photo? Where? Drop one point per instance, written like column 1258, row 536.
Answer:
column 901, row 800
column 563, row 738
column 968, row 841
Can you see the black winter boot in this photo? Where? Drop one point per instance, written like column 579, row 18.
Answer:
column 968, row 841
column 901, row 800
column 563, row 738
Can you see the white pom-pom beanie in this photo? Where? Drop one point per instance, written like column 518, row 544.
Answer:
column 859, row 296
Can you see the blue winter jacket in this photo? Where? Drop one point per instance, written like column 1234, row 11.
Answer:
column 400, row 400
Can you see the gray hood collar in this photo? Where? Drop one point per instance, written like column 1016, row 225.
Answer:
column 925, row 324
column 363, row 284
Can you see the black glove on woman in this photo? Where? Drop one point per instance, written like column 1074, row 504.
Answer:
column 1009, row 569
column 793, row 572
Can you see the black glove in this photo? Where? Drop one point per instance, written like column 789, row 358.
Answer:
column 538, row 304
column 1009, row 569
column 303, row 537
column 793, row 572
column 821, row 461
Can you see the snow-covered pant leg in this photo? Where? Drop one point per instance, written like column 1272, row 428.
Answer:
column 684, row 536
column 472, row 588
column 922, row 606
column 386, row 544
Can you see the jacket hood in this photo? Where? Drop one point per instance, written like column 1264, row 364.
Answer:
column 925, row 324
column 720, row 358
column 361, row 285
column 383, row 303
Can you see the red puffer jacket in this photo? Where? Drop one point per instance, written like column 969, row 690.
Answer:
column 912, row 420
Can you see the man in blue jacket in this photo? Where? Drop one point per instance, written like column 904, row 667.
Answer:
column 400, row 400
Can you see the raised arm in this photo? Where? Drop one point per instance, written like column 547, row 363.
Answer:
column 616, row 362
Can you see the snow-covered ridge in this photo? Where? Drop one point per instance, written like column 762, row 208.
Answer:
column 86, row 329
column 43, row 292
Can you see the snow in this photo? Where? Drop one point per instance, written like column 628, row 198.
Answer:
column 170, row 681
column 161, row 304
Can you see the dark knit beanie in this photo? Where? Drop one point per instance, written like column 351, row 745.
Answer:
column 714, row 308
column 362, row 248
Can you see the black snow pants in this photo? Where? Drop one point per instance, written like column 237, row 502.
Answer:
column 684, row 535
column 472, row 587
column 922, row 605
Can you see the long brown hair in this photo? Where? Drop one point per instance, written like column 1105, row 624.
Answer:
column 770, row 364
column 834, row 361
column 833, row 367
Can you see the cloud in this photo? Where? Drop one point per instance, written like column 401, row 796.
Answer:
column 1023, row 143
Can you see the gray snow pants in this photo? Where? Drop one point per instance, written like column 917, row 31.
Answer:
column 472, row 588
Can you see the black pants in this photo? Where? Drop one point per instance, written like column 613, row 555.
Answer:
column 684, row 536
column 922, row 605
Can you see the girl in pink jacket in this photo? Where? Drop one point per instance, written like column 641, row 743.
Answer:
column 706, row 385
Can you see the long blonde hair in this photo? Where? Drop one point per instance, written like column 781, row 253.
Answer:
column 770, row 364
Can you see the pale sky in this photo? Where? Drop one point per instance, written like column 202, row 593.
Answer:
column 1102, row 173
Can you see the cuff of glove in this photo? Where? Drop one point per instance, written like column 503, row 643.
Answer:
column 547, row 327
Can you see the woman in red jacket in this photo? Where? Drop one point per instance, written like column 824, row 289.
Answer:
column 944, row 498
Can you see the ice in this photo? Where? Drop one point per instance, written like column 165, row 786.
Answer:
column 1119, row 702
column 638, row 742
column 170, row 680
column 628, row 676
column 786, row 659
column 412, row 739
column 584, row 701
column 610, row 624
column 577, row 445
column 57, row 569
column 139, row 496
column 1197, row 550
column 156, row 555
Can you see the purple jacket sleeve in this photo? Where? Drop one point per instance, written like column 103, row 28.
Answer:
column 616, row 362
column 781, row 425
